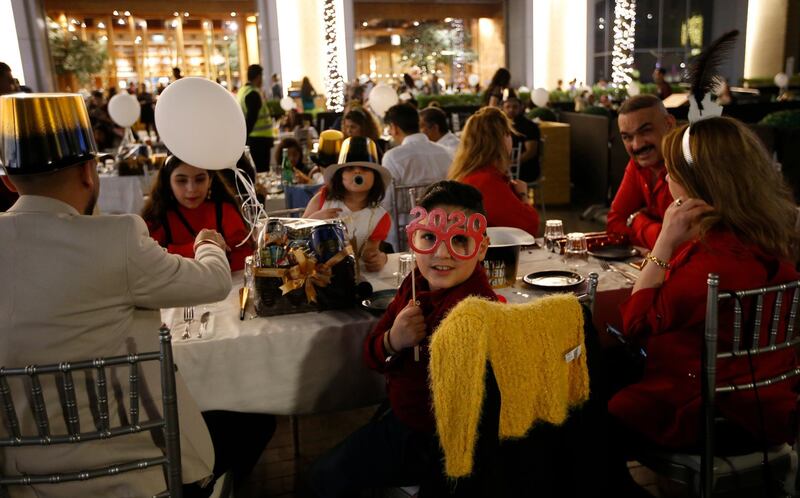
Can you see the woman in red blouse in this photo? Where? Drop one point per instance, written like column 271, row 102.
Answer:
column 733, row 215
column 185, row 200
column 482, row 161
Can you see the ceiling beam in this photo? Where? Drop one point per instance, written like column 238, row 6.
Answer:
column 423, row 11
column 144, row 8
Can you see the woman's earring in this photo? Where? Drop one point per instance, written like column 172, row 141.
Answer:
column 208, row 197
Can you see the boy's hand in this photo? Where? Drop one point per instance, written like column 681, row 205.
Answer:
column 408, row 328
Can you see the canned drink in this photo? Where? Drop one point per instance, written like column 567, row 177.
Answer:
column 327, row 241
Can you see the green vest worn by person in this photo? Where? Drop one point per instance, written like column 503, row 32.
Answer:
column 263, row 126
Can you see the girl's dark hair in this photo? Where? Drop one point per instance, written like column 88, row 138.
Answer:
column 306, row 89
column 162, row 199
column 365, row 122
column 452, row 193
column 287, row 143
column 502, row 77
column 337, row 191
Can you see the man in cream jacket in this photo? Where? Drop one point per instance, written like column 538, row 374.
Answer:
column 77, row 287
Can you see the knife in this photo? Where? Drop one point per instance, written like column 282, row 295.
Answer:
column 243, row 292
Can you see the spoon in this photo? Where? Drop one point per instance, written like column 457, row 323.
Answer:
column 203, row 324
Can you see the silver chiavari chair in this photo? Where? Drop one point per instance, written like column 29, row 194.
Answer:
column 65, row 373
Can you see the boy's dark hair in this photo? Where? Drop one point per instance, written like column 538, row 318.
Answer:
column 452, row 193
column 435, row 116
column 337, row 191
column 404, row 116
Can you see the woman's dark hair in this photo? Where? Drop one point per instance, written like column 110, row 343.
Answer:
column 365, row 122
column 287, row 143
column 408, row 81
column 306, row 90
column 452, row 193
column 162, row 199
column 337, row 191
column 502, row 77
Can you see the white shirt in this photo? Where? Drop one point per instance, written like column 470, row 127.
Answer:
column 450, row 142
column 416, row 161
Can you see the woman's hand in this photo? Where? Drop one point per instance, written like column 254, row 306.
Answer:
column 680, row 222
column 208, row 235
column 408, row 328
column 520, row 188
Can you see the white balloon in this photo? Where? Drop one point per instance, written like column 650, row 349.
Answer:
column 287, row 104
column 381, row 98
column 524, row 89
column 124, row 109
column 419, row 83
column 473, row 79
column 405, row 96
column 540, row 97
column 634, row 89
column 782, row 80
column 201, row 123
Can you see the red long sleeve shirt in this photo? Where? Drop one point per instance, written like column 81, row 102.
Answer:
column 637, row 192
column 204, row 216
column 406, row 379
column 665, row 405
column 503, row 207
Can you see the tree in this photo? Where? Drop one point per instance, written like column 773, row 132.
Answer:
column 70, row 54
column 431, row 45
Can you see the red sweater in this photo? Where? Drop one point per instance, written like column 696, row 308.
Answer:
column 204, row 216
column 665, row 404
column 637, row 192
column 407, row 380
column 503, row 207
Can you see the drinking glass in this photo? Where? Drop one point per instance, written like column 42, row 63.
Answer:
column 576, row 252
column 553, row 229
column 405, row 265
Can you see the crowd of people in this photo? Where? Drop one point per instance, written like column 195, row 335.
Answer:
column 701, row 198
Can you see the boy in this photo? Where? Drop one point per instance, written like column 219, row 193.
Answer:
column 398, row 447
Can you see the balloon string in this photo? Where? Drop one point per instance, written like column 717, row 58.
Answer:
column 252, row 210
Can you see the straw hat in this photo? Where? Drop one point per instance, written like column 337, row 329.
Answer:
column 44, row 132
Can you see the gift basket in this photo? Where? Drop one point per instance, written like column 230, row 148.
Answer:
column 302, row 265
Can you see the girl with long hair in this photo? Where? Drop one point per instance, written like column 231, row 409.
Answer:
column 307, row 94
column 482, row 160
column 733, row 215
column 186, row 199
column 359, row 122
column 493, row 96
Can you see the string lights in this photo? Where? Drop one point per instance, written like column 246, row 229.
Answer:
column 334, row 84
column 624, row 33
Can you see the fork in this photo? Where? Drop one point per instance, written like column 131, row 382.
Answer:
column 606, row 266
column 188, row 317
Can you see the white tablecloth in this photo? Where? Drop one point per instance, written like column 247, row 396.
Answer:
column 122, row 194
column 290, row 364
column 309, row 362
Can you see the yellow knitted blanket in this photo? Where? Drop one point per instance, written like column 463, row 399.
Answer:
column 532, row 350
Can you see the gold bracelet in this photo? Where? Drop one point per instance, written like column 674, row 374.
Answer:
column 664, row 265
column 206, row 241
column 387, row 345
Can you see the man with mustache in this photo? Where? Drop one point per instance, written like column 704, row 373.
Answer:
column 643, row 196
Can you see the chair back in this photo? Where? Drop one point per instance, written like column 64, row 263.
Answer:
column 772, row 319
column 63, row 373
column 325, row 120
column 591, row 292
column 404, row 199
column 513, row 165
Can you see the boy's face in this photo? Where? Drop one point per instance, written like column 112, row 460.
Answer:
column 440, row 268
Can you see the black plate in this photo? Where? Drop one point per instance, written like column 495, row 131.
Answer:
column 614, row 253
column 379, row 301
column 553, row 279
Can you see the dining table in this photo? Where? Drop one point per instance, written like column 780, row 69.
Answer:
column 123, row 194
column 311, row 362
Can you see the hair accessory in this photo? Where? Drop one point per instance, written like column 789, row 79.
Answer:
column 704, row 79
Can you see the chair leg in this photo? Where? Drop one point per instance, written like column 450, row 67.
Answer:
column 294, row 421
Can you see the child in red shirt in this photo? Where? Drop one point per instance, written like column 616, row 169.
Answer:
column 398, row 447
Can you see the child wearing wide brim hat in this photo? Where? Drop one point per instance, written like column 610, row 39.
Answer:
column 353, row 191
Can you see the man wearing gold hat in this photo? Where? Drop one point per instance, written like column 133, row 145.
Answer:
column 78, row 287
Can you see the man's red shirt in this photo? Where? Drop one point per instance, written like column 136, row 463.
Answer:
column 637, row 192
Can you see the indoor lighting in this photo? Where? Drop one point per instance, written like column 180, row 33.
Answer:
column 127, row 13
column 365, row 24
column 225, row 38
column 174, row 24
column 448, row 19
column 185, row 14
column 116, row 12
column 71, row 28
column 395, row 40
column 176, row 14
column 101, row 25
column 233, row 14
column 233, row 26
column 104, row 38
column 416, row 23
column 624, row 35
column 334, row 83
column 121, row 21
column 251, row 18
